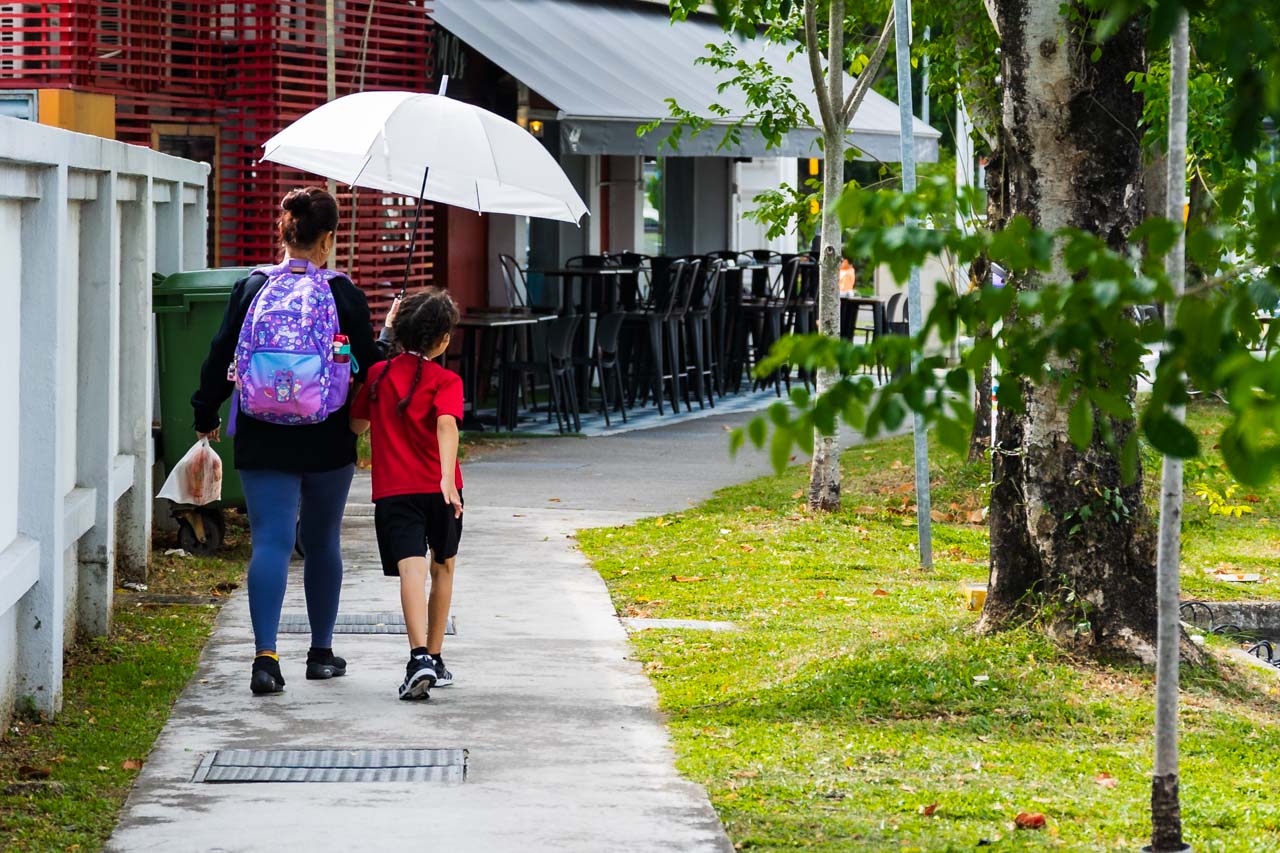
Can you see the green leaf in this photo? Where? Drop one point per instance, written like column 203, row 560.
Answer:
column 1080, row 422
column 756, row 429
column 953, row 435
column 1170, row 436
column 780, row 449
column 1159, row 233
column 958, row 380
column 736, row 439
column 1129, row 458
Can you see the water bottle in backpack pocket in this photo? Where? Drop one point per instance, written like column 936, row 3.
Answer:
column 285, row 363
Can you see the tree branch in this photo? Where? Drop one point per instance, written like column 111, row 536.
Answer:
column 868, row 75
column 835, row 63
column 990, row 6
column 815, row 62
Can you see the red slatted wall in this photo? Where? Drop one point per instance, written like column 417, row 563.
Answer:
column 247, row 69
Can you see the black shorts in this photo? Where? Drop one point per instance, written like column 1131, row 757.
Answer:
column 408, row 524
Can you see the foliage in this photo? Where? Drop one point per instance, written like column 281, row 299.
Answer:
column 1238, row 37
column 836, row 716
column 1051, row 334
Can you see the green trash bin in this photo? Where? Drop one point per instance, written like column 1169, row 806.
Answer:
column 189, row 307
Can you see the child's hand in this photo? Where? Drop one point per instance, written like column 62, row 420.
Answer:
column 392, row 312
column 450, row 492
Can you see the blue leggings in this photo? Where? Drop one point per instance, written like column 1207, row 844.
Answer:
column 274, row 499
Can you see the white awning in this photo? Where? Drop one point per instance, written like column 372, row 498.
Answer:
column 610, row 67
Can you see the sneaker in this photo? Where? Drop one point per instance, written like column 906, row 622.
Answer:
column 443, row 676
column 266, row 677
column 323, row 663
column 419, row 678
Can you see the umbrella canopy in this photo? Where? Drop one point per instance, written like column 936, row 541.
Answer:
column 389, row 140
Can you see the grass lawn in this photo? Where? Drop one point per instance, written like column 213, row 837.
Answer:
column 857, row 710
column 62, row 783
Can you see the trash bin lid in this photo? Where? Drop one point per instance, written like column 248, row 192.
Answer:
column 214, row 281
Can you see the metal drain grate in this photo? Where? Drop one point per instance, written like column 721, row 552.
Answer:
column 388, row 622
column 333, row 765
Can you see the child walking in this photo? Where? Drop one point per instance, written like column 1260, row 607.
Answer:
column 414, row 406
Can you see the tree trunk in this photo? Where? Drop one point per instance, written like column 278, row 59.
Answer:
column 824, row 470
column 1166, row 816
column 979, row 275
column 1069, row 540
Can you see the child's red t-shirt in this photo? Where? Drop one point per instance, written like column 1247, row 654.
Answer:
column 406, row 452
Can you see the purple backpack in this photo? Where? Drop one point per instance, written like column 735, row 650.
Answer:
column 284, row 359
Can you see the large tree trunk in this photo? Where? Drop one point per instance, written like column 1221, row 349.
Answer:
column 824, row 470
column 1072, row 158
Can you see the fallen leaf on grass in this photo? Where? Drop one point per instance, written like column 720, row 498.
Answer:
column 798, row 493
column 896, row 464
column 26, row 771
column 226, row 586
column 660, row 521
column 879, row 591
column 686, row 579
column 1106, row 780
column 928, row 810
column 132, row 764
column 553, row 500
column 975, row 517
column 1029, row 820
column 745, row 774
column 747, row 548
column 938, row 516
column 104, row 768
column 905, row 488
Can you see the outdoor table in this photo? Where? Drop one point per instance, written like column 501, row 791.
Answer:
column 851, row 304
column 567, row 276
column 489, row 337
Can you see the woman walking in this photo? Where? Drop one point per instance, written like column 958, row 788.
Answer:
column 294, row 339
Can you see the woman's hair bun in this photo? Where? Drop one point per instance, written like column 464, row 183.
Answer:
column 309, row 214
column 297, row 202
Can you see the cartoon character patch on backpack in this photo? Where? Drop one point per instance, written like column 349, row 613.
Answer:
column 284, row 358
column 284, row 387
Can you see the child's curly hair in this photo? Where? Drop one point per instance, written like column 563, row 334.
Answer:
column 421, row 323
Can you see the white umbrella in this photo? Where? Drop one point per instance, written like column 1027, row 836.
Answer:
column 429, row 147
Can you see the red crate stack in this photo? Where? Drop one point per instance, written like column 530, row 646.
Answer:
column 241, row 71
column 280, row 75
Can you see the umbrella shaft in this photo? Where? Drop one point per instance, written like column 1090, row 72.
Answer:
column 413, row 235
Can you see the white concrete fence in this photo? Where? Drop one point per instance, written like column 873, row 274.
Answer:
column 84, row 222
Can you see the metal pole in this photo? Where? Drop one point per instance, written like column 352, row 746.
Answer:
column 915, row 318
column 413, row 235
column 924, row 83
column 331, row 91
column 1166, row 812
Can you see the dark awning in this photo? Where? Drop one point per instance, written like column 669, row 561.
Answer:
column 609, row 68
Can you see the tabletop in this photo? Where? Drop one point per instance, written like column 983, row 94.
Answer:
column 495, row 321
column 585, row 271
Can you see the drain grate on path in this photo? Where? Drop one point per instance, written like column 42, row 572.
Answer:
column 333, row 765
column 388, row 622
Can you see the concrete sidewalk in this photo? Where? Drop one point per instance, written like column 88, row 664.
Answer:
column 567, row 750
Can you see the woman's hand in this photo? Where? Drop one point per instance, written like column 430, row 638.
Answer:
column 213, row 435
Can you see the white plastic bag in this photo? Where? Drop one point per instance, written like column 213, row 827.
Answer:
column 197, row 478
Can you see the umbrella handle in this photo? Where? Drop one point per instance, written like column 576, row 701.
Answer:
column 413, row 237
